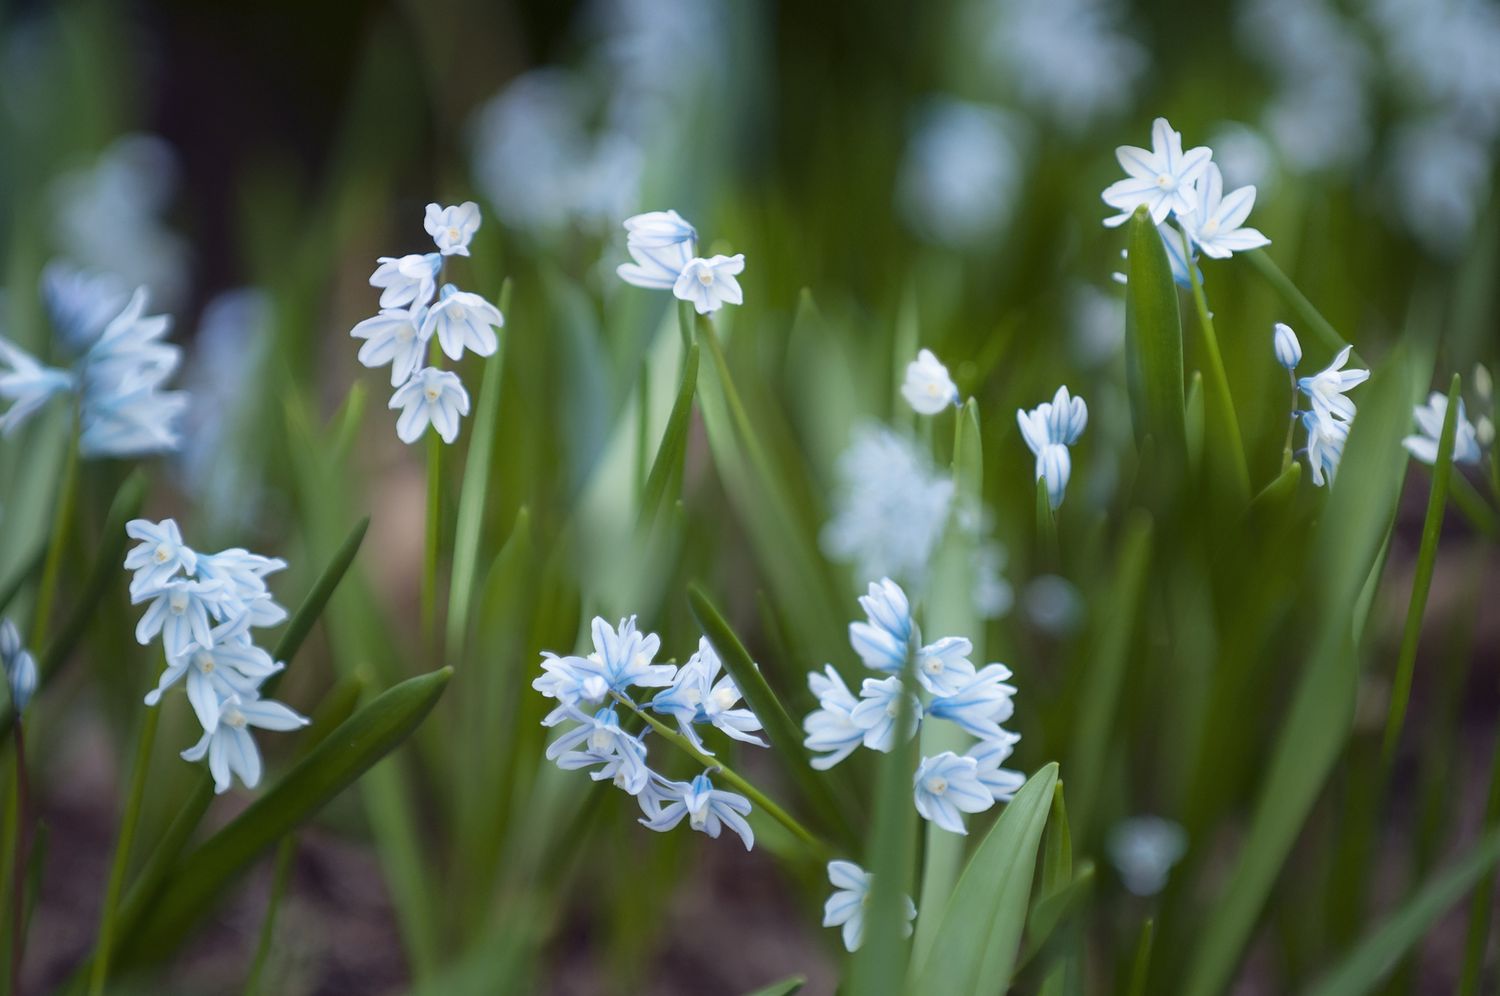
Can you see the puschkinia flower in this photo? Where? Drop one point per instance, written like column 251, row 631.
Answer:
column 19, row 667
column 1429, row 418
column 928, row 388
column 943, row 666
column 1326, row 388
column 620, row 756
column 878, row 709
column 846, row 907
column 1288, row 349
column 393, row 337
column 709, row 284
column 948, row 786
column 1326, row 437
column 980, row 705
column 708, row 809
column 431, row 397
column 885, row 639
column 1215, row 223
column 621, row 659
column 228, row 744
column 1160, row 178
column 1048, row 430
column 407, row 281
column 463, row 321
column 27, row 385
column 989, row 755
column 831, row 731
column 1143, row 850
column 660, row 229
column 698, row 695
column 229, row 663
column 179, row 610
column 452, row 228
column 160, row 555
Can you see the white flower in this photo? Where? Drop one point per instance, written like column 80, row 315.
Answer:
column 393, row 337
column 463, row 321
column 19, row 667
column 230, row 664
column 407, row 281
column 846, row 907
column 948, row 785
column 709, row 284
column 943, row 666
column 696, row 697
column 1326, row 437
column 1429, row 418
column 1288, row 349
column 27, row 385
column 831, row 729
column 81, row 302
column 884, row 640
column 1048, row 430
column 621, row 756
column 162, row 554
column 879, row 706
column 452, row 227
column 622, row 658
column 708, row 809
column 989, row 755
column 228, row 744
column 1216, row 220
column 431, row 397
column 981, row 705
column 1161, row 178
column 1326, row 387
column 655, row 268
column 179, row 611
column 928, row 388
column 1143, row 850
column 660, row 229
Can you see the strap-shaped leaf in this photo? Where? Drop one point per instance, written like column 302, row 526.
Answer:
column 667, row 465
column 981, row 927
column 1153, row 334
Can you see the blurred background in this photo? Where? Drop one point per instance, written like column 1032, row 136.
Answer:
column 885, row 168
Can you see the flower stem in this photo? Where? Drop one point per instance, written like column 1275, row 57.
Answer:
column 1291, row 426
column 1222, row 401
column 100, row 974
column 285, row 852
column 61, row 524
column 430, row 551
column 18, row 872
column 820, row 849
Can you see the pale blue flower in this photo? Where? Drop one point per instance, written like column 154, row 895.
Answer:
column 709, row 284
column 928, row 388
column 831, row 730
column 943, row 666
column 877, row 711
column 1326, row 387
column 659, row 230
column 431, row 397
column 698, row 695
column 1160, row 178
column 620, row 756
column 947, row 786
column 180, row 610
column 1048, row 430
column 394, row 336
column 1288, row 349
column 1143, row 850
column 980, row 705
column 161, row 555
column 462, row 320
column 655, row 268
column 989, row 754
column 130, row 353
column 19, row 666
column 27, row 385
column 708, row 809
column 1326, row 437
column 846, row 907
column 134, row 423
column 884, row 641
column 1429, row 417
column 230, row 664
column 622, row 658
column 407, row 281
column 1215, row 224
column 228, row 745
column 81, row 302
column 243, row 576
column 452, row 227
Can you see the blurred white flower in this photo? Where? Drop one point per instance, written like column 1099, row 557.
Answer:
column 962, row 172
column 1429, row 418
column 27, row 385
column 832, row 734
column 1096, row 323
column 928, row 388
column 1143, row 850
column 877, row 711
column 452, row 227
column 846, row 907
column 19, row 667
column 1052, row 603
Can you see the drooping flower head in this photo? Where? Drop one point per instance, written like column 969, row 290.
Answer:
column 928, row 388
column 1326, row 388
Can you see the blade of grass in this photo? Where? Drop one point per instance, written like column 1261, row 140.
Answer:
column 286, row 852
column 666, row 467
column 1154, row 341
column 1140, row 969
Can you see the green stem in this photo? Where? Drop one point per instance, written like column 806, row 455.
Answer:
column 286, row 851
column 100, row 974
column 1140, row 970
column 18, row 872
column 430, row 552
column 1223, row 401
column 1291, row 426
column 61, row 523
column 1261, row 263
column 1432, row 528
column 821, row 849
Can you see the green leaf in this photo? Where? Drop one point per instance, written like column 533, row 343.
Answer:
column 1374, row 957
column 374, row 731
column 316, row 601
column 1140, row 969
column 1345, row 552
column 980, row 931
column 1053, row 911
column 786, row 987
column 23, row 573
column 784, row 733
column 667, row 466
column 1153, row 333
column 1309, row 316
column 1193, row 419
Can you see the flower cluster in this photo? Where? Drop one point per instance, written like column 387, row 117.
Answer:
column 1187, row 187
column 203, row 606
column 403, row 332
column 19, row 667
column 1049, row 429
column 120, row 368
column 952, row 689
column 1327, row 421
column 587, row 690
column 665, row 250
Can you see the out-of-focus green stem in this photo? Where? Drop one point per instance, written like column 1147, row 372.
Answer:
column 61, row 524
column 1140, row 970
column 1223, row 401
column 18, row 874
column 430, row 547
column 821, row 850
column 100, row 973
column 1472, row 504
column 1291, row 426
column 286, row 851
column 1479, row 909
